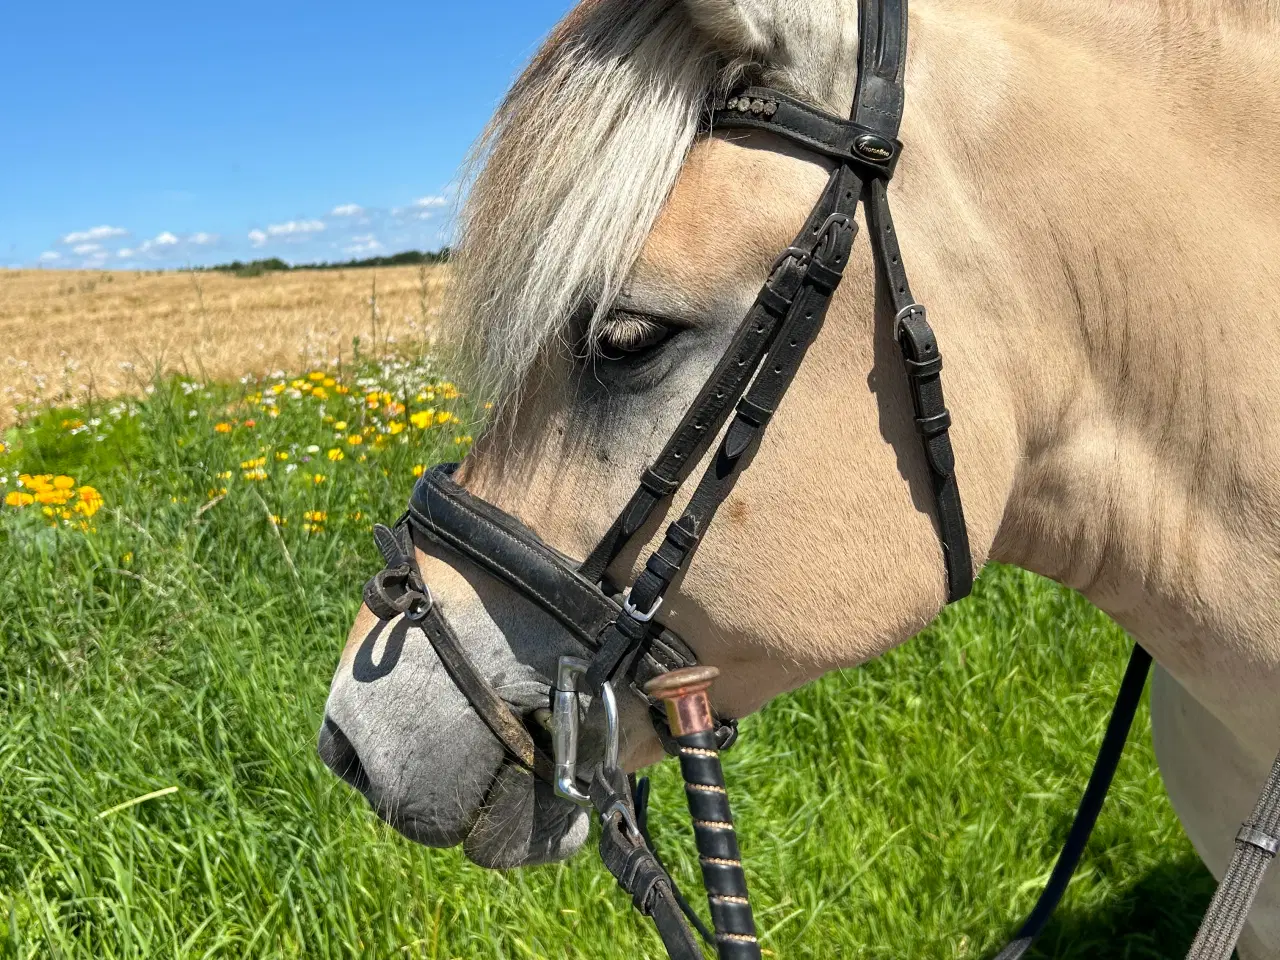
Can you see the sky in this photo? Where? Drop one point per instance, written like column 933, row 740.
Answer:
column 146, row 135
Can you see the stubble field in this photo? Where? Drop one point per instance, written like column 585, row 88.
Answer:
column 70, row 335
column 181, row 562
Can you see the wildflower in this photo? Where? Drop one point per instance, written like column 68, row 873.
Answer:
column 329, row 382
column 72, row 424
column 278, row 389
column 463, row 439
column 255, row 474
column 91, row 501
column 313, row 449
column 315, row 375
column 320, row 393
column 222, row 427
column 319, row 477
column 225, row 475
column 63, row 483
column 444, row 416
column 282, row 454
column 336, row 454
column 395, row 409
column 419, row 469
column 126, row 559
column 488, row 406
column 395, row 426
column 355, row 440
column 251, row 423
column 340, row 426
column 341, row 389
column 17, row 498
column 358, row 515
column 297, row 384
column 54, row 497
column 315, row 516
column 277, row 520
column 251, row 464
column 422, row 419
column 3, row 448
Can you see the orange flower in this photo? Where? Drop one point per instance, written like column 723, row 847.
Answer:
column 223, row 427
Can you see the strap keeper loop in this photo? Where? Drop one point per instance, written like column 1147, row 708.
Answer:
column 929, row 427
column 1256, row 838
column 657, row 484
column 754, row 413
column 919, row 369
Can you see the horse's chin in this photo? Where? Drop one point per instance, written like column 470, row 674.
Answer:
column 523, row 823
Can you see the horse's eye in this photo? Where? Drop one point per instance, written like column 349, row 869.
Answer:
column 626, row 334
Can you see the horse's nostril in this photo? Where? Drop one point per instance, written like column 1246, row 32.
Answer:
column 340, row 756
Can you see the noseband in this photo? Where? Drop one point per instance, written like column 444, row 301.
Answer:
column 620, row 637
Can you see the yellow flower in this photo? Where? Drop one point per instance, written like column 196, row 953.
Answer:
column 355, row 440
column 256, row 474
column 444, row 416
column 225, row 475
column 395, row 426
column 319, row 477
column 55, row 497
column 278, row 521
column 419, row 469
column 320, row 393
column 315, row 516
column 336, row 454
column 278, row 389
column 3, row 448
column 358, row 515
column 282, row 454
column 422, row 419
column 297, row 384
column 223, row 427
column 72, row 424
column 19, row 499
column 340, row 426
column 395, row 409
column 252, row 464
column 91, row 501
column 463, row 439
column 63, row 482
column 341, row 389
column 329, row 381
column 316, row 375
column 488, row 406
column 127, row 558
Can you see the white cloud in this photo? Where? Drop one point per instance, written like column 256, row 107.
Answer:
column 84, row 249
column 165, row 239
column 94, row 233
column 426, row 202
column 347, row 210
column 124, row 253
column 293, row 227
column 49, row 256
column 202, row 239
column 257, row 237
column 363, row 243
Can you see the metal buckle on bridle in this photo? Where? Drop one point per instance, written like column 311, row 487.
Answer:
column 634, row 613
column 565, row 729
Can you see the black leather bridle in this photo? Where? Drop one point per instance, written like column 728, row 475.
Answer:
column 620, row 636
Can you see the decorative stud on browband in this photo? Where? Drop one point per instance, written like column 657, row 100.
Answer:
column 752, row 105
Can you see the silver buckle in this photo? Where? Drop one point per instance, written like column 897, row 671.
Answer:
column 565, row 729
column 630, row 610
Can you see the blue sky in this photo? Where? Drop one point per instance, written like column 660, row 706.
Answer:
column 151, row 134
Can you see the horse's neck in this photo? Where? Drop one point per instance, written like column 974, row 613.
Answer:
column 1118, row 272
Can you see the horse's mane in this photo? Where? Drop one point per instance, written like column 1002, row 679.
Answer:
column 572, row 172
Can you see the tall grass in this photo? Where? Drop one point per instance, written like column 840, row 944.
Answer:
column 162, row 677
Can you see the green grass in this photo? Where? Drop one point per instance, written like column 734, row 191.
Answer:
column 908, row 809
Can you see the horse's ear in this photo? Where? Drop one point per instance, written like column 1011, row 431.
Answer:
column 742, row 28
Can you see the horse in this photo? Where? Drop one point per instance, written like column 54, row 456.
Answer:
column 1088, row 195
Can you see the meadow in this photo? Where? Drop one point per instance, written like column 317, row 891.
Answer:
column 180, row 569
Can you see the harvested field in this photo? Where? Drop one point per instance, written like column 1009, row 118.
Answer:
column 68, row 335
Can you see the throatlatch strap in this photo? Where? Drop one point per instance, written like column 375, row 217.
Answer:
column 1256, row 845
column 922, row 361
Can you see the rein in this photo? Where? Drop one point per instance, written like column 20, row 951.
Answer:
column 622, row 642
